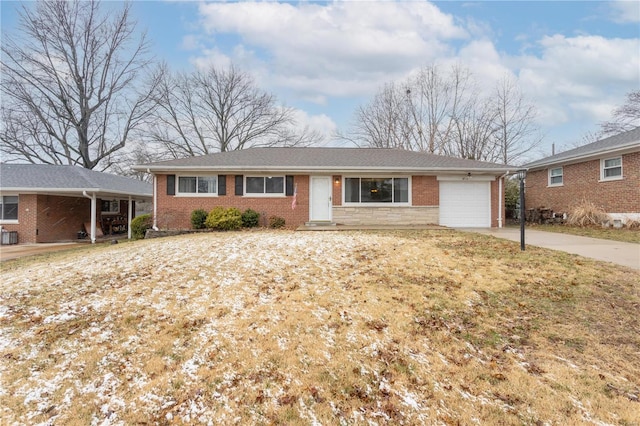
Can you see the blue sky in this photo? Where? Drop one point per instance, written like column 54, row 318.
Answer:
column 575, row 61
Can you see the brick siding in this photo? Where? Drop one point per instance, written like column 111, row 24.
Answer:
column 174, row 212
column 581, row 181
column 50, row 218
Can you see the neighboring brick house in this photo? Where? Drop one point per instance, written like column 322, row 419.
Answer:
column 605, row 172
column 49, row 203
column 347, row 186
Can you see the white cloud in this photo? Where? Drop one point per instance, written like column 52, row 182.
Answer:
column 317, row 52
column 579, row 78
column 339, row 49
column 625, row 11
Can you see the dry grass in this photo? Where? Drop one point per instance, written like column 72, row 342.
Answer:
column 586, row 213
column 429, row 327
column 626, row 235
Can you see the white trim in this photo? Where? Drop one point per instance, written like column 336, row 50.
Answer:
column 467, row 178
column 9, row 222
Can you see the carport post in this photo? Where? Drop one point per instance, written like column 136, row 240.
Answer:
column 522, row 174
column 129, row 210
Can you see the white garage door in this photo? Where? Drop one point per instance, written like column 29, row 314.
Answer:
column 465, row 204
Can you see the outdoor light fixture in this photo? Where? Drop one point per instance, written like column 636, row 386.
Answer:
column 336, row 180
column 522, row 174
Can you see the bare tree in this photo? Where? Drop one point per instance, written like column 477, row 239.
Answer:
column 473, row 135
column 217, row 110
column 516, row 133
column 385, row 122
column 626, row 117
column 68, row 84
column 435, row 104
column 445, row 113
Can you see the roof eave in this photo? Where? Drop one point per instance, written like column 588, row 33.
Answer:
column 75, row 191
column 620, row 150
column 300, row 170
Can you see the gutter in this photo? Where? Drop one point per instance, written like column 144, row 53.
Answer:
column 500, row 198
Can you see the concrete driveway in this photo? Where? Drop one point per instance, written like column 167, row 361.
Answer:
column 625, row 254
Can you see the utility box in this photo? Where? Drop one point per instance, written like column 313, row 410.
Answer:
column 9, row 237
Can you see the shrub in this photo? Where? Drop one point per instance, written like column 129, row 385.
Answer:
column 198, row 217
column 250, row 218
column 139, row 226
column 224, row 219
column 276, row 222
column 587, row 213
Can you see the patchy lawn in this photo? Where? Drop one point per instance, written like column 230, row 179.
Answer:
column 624, row 235
column 411, row 327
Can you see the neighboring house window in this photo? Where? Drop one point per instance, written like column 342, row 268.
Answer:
column 611, row 168
column 555, row 177
column 200, row 185
column 376, row 190
column 9, row 207
column 264, row 185
column 110, row 206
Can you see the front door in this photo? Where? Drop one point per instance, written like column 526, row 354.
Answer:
column 320, row 199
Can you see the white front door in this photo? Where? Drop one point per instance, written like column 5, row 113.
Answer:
column 320, row 199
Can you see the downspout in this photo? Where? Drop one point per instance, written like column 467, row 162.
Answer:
column 155, row 200
column 129, row 213
column 92, row 197
column 500, row 199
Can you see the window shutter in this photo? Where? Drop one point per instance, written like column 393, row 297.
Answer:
column 239, row 182
column 222, row 185
column 171, row 184
column 289, row 185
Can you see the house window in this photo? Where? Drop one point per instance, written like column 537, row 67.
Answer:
column 265, row 185
column 555, row 177
column 200, row 185
column 376, row 190
column 9, row 207
column 611, row 168
column 110, row 206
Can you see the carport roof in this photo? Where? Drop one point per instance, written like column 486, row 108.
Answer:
column 54, row 179
column 325, row 160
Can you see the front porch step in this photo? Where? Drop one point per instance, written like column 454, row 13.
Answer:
column 320, row 223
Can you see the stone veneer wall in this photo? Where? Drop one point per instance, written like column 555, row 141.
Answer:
column 423, row 215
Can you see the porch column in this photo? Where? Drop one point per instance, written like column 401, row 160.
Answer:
column 129, row 210
column 92, row 197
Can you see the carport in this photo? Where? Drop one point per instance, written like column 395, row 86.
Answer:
column 51, row 203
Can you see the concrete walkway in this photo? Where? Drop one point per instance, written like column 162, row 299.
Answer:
column 625, row 254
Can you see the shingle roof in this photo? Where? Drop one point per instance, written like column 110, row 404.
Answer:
column 53, row 178
column 325, row 159
column 619, row 142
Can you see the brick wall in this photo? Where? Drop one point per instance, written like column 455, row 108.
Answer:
column 174, row 212
column 27, row 219
column 582, row 181
column 60, row 218
column 49, row 218
column 425, row 191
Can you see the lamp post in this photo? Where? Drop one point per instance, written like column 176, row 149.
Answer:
column 522, row 174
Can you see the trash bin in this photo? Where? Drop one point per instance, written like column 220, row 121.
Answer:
column 9, row 237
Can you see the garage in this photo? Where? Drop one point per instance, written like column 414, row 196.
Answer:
column 465, row 204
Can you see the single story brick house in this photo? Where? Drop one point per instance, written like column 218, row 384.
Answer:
column 324, row 186
column 50, row 203
column 605, row 172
